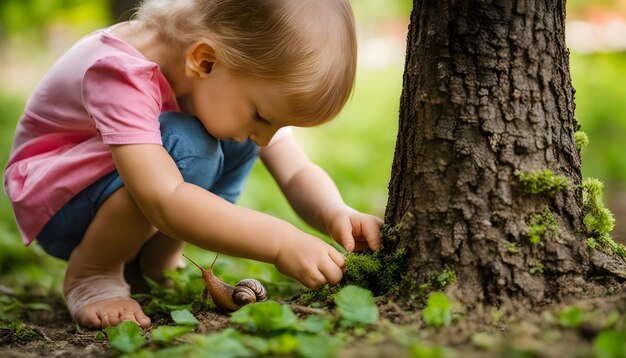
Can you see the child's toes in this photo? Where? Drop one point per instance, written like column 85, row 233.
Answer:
column 128, row 316
column 90, row 320
column 106, row 319
column 144, row 321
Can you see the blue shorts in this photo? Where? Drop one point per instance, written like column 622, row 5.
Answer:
column 218, row 166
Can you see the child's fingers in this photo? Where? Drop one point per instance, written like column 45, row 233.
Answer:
column 315, row 280
column 371, row 233
column 338, row 258
column 343, row 234
column 331, row 272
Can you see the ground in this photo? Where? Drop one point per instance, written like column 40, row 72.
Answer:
column 568, row 329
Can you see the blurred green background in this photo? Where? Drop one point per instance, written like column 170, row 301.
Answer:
column 356, row 149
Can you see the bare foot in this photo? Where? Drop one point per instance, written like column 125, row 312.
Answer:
column 110, row 313
column 101, row 300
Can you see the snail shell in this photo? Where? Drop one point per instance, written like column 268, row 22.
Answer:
column 249, row 291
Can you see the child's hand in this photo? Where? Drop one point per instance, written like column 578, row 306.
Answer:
column 352, row 229
column 310, row 260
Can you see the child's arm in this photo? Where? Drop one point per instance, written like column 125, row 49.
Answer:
column 314, row 196
column 187, row 212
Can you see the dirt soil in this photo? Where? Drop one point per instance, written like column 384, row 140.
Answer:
column 481, row 332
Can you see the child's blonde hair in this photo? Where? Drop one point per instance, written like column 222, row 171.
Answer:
column 308, row 47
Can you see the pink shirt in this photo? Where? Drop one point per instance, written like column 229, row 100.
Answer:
column 101, row 92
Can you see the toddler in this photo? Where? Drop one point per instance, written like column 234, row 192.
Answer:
column 140, row 137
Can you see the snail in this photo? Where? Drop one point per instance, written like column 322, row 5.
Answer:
column 226, row 296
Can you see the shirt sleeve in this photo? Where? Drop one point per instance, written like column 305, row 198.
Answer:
column 121, row 93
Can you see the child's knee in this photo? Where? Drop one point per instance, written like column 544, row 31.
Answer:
column 197, row 154
column 184, row 135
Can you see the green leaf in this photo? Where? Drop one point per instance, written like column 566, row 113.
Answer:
column 418, row 350
column 166, row 334
column 184, row 317
column 319, row 346
column 183, row 350
column 226, row 344
column 610, row 344
column 316, row 324
column 283, row 344
column 264, row 317
column 125, row 337
column 570, row 317
column 437, row 312
column 356, row 306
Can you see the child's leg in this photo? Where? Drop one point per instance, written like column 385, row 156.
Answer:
column 160, row 253
column 96, row 292
column 97, row 295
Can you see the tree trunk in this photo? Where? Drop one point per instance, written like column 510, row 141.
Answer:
column 486, row 93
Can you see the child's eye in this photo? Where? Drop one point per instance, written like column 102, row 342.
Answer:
column 257, row 117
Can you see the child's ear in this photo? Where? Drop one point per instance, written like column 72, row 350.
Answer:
column 199, row 60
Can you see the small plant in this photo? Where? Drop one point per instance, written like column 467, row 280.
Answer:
column 356, row 307
column 437, row 312
column 542, row 224
column 125, row 337
column 269, row 316
column 610, row 344
column 581, row 139
column 541, row 182
column 570, row 317
column 437, row 281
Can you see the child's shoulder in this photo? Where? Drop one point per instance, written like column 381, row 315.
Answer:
column 97, row 52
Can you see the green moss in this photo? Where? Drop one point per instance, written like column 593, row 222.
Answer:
column 601, row 221
column 598, row 219
column 541, row 182
column 390, row 232
column 18, row 331
column 592, row 194
column 380, row 272
column 512, row 248
column 538, row 268
column 361, row 269
column 607, row 243
column 327, row 293
column 581, row 139
column 592, row 243
column 542, row 224
column 437, row 281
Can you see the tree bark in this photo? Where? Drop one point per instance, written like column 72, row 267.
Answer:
column 487, row 92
